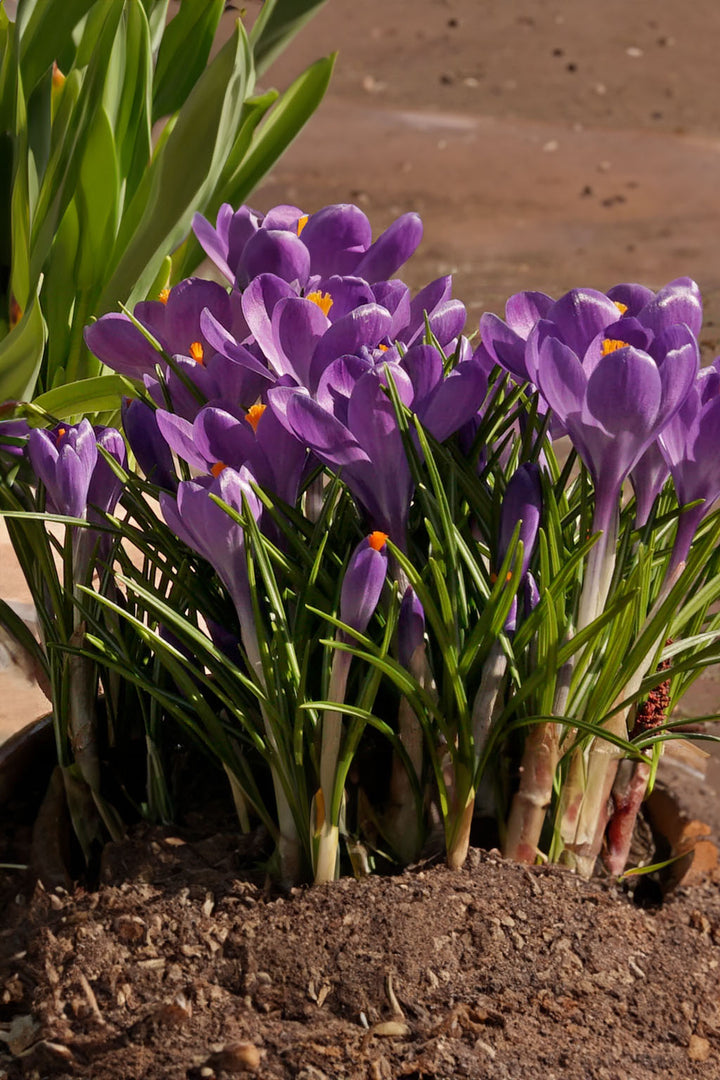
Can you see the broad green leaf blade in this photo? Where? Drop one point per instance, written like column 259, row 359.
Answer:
column 286, row 120
column 132, row 128
column 63, row 169
column 97, row 197
column 276, row 25
column 45, row 28
column 21, row 354
column 104, row 393
column 183, row 173
column 184, row 52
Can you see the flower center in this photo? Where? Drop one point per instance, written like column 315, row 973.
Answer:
column 612, row 345
column 253, row 415
column 323, row 300
column 163, row 296
column 197, row 352
column 217, row 468
column 376, row 540
column 302, row 222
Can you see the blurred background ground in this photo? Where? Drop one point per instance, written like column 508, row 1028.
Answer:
column 545, row 143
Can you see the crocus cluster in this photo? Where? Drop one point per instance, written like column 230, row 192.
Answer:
column 380, row 499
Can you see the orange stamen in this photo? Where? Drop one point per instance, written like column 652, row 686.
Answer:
column 197, row 352
column 323, row 300
column 383, row 348
column 612, row 345
column 253, row 415
column 376, row 540
column 60, row 433
column 622, row 308
column 494, row 577
column 302, row 222
column 163, row 295
column 217, row 468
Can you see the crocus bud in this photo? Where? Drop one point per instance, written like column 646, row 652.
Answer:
column 147, row 444
column 363, row 582
column 64, row 459
column 411, row 627
column 522, row 502
column 105, row 486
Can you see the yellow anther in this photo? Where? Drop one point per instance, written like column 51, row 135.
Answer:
column 622, row 308
column 217, row 468
column 163, row 295
column 383, row 348
column 612, row 345
column 323, row 300
column 60, row 433
column 376, row 540
column 197, row 352
column 253, row 415
column 302, row 222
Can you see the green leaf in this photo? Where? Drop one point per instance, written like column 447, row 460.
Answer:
column 21, row 354
column 97, row 197
column 104, row 393
column 45, row 28
column 184, row 53
column 132, row 127
column 293, row 109
column 63, row 170
column 276, row 24
column 183, row 173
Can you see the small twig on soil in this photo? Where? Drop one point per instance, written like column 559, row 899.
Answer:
column 90, row 995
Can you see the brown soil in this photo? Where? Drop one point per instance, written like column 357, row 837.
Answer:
column 180, row 968
column 546, row 145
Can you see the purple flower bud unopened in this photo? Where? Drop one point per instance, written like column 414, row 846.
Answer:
column 363, row 582
column 522, row 502
column 147, row 444
column 411, row 627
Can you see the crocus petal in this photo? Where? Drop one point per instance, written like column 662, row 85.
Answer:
column 213, row 241
column 258, row 303
column 298, row 325
column 678, row 302
column 504, row 346
column 276, row 251
column 632, row 297
column 522, row 502
column 524, row 309
column 367, row 326
column 411, row 626
column 330, row 439
column 120, row 346
column 560, row 377
column 624, row 392
column 147, row 444
column 337, row 237
column 393, row 248
column 580, row 315
column 178, row 434
column 456, row 400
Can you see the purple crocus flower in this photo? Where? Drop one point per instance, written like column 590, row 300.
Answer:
column 522, row 503
column 147, row 444
column 363, row 582
column 582, row 314
column 64, row 458
column 301, row 249
column 411, row 627
column 689, row 444
column 613, row 406
column 206, row 528
column 216, row 438
column 174, row 321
